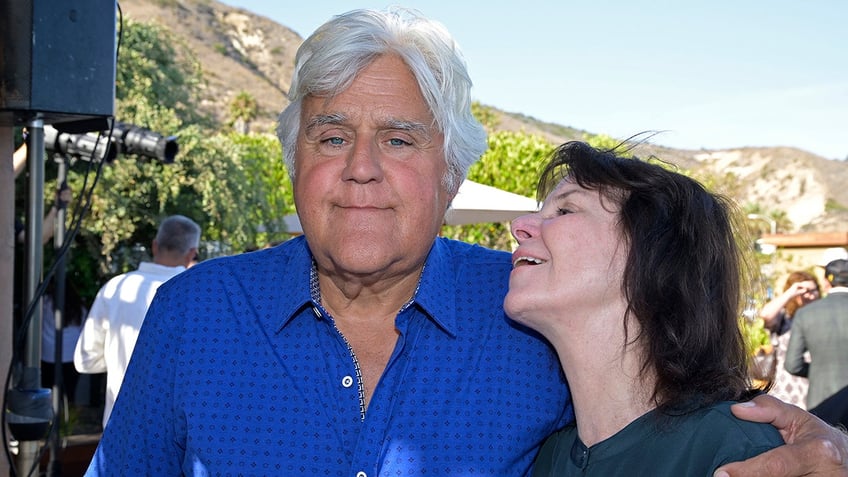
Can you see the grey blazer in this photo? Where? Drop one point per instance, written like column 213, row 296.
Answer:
column 822, row 328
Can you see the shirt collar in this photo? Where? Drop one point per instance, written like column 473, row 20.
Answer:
column 435, row 295
column 156, row 269
column 293, row 292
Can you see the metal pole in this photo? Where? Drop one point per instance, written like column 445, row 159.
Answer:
column 54, row 467
column 7, row 259
column 31, row 375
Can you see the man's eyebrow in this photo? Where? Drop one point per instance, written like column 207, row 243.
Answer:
column 411, row 126
column 390, row 123
column 322, row 119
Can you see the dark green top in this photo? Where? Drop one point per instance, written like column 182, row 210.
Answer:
column 691, row 444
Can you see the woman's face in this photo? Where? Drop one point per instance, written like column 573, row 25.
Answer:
column 569, row 264
column 811, row 293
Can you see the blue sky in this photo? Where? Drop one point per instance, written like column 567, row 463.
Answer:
column 715, row 74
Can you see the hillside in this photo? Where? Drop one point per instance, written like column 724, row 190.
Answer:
column 241, row 51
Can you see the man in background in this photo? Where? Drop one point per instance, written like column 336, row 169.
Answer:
column 822, row 329
column 111, row 329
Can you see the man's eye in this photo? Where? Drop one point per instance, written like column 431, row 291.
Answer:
column 561, row 211
column 398, row 142
column 334, row 141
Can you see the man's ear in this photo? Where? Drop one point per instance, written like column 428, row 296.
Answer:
column 191, row 257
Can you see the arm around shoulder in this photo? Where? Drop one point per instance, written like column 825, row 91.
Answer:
column 813, row 448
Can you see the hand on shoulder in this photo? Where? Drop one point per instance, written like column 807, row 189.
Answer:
column 813, row 448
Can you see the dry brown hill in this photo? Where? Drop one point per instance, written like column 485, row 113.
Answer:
column 242, row 51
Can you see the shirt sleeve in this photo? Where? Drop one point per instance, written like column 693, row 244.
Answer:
column 90, row 352
column 145, row 434
column 740, row 440
column 795, row 363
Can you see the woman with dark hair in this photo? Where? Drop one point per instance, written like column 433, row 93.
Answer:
column 633, row 274
column 800, row 289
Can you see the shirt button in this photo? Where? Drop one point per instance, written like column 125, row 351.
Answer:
column 361, row 474
column 347, row 382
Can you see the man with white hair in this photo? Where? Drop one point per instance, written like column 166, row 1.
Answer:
column 368, row 346
column 111, row 328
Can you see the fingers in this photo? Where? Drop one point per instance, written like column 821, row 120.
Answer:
column 820, row 458
column 64, row 196
column 798, row 288
column 812, row 446
column 768, row 464
column 768, row 409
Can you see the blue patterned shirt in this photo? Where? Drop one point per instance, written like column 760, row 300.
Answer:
column 237, row 371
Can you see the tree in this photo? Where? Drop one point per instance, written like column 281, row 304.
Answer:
column 233, row 185
column 486, row 115
column 512, row 163
column 157, row 75
column 243, row 110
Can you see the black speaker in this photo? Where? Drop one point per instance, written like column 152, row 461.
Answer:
column 57, row 62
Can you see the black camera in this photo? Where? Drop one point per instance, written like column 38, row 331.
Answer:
column 124, row 139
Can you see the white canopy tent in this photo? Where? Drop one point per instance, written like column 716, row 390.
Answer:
column 475, row 203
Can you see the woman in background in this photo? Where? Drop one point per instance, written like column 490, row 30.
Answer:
column 800, row 289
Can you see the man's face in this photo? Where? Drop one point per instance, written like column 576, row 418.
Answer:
column 369, row 168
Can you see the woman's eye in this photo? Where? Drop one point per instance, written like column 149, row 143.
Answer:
column 562, row 211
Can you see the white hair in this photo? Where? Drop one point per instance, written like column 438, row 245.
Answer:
column 329, row 60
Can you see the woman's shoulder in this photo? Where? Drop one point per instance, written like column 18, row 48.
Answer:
column 718, row 419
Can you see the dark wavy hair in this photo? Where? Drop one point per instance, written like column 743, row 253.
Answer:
column 684, row 272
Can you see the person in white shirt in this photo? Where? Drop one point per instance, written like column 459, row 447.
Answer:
column 111, row 328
